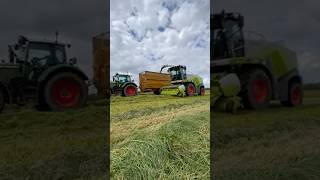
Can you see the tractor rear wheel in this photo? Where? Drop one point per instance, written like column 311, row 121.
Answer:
column 129, row 90
column 295, row 95
column 65, row 91
column 191, row 89
column 256, row 89
column 202, row 91
column 2, row 100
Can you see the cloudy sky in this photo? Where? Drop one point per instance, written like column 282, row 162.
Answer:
column 146, row 34
column 76, row 20
column 296, row 23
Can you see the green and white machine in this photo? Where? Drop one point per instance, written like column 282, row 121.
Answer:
column 250, row 73
column 123, row 84
column 182, row 84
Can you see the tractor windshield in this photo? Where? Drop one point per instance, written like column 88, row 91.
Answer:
column 46, row 54
column 177, row 73
column 124, row 78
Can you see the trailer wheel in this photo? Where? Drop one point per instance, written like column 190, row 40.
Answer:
column 190, row 89
column 65, row 91
column 295, row 95
column 202, row 91
column 256, row 89
column 2, row 100
column 129, row 90
column 157, row 92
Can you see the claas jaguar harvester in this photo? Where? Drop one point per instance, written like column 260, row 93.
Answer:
column 40, row 71
column 174, row 81
column 250, row 72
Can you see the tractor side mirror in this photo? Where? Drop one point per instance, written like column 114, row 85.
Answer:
column 73, row 61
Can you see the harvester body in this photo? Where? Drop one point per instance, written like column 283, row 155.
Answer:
column 266, row 70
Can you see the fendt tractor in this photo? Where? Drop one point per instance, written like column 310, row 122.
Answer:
column 174, row 82
column 250, row 72
column 40, row 71
column 123, row 84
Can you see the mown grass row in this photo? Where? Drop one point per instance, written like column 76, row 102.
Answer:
column 53, row 145
column 277, row 143
column 166, row 138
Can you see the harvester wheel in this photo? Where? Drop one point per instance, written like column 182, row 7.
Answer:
column 2, row 100
column 129, row 90
column 256, row 89
column 190, row 90
column 65, row 91
column 202, row 91
column 157, row 92
column 295, row 95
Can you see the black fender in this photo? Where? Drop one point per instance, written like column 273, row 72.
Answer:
column 8, row 95
column 127, row 83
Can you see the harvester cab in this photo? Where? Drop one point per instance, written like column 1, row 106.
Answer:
column 262, row 70
column 177, row 73
column 123, row 84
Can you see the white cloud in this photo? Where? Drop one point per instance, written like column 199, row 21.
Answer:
column 148, row 34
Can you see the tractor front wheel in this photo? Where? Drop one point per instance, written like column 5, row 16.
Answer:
column 65, row 91
column 129, row 90
column 2, row 100
column 191, row 89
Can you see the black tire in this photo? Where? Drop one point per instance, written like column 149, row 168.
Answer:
column 256, row 89
column 157, row 92
column 130, row 90
column 295, row 95
column 190, row 89
column 2, row 100
column 65, row 91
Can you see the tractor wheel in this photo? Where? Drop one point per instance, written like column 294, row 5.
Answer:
column 256, row 89
column 2, row 100
column 129, row 90
column 295, row 95
column 191, row 89
column 65, row 91
column 202, row 91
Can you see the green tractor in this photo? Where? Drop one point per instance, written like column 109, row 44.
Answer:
column 40, row 71
column 123, row 84
column 181, row 83
column 252, row 72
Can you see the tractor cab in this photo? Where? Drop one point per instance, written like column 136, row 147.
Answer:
column 177, row 73
column 122, row 78
column 36, row 56
column 228, row 40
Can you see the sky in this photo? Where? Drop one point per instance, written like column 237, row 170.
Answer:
column 295, row 23
column 146, row 34
column 76, row 20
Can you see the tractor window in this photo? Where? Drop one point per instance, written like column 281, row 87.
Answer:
column 175, row 74
column 123, row 79
column 39, row 55
column 60, row 55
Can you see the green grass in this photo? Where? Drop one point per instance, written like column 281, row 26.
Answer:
column 277, row 143
column 53, row 145
column 160, row 137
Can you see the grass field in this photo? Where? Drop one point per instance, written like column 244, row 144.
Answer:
column 48, row 145
column 160, row 137
column 277, row 143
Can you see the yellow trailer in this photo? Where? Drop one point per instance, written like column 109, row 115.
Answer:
column 101, row 63
column 153, row 81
